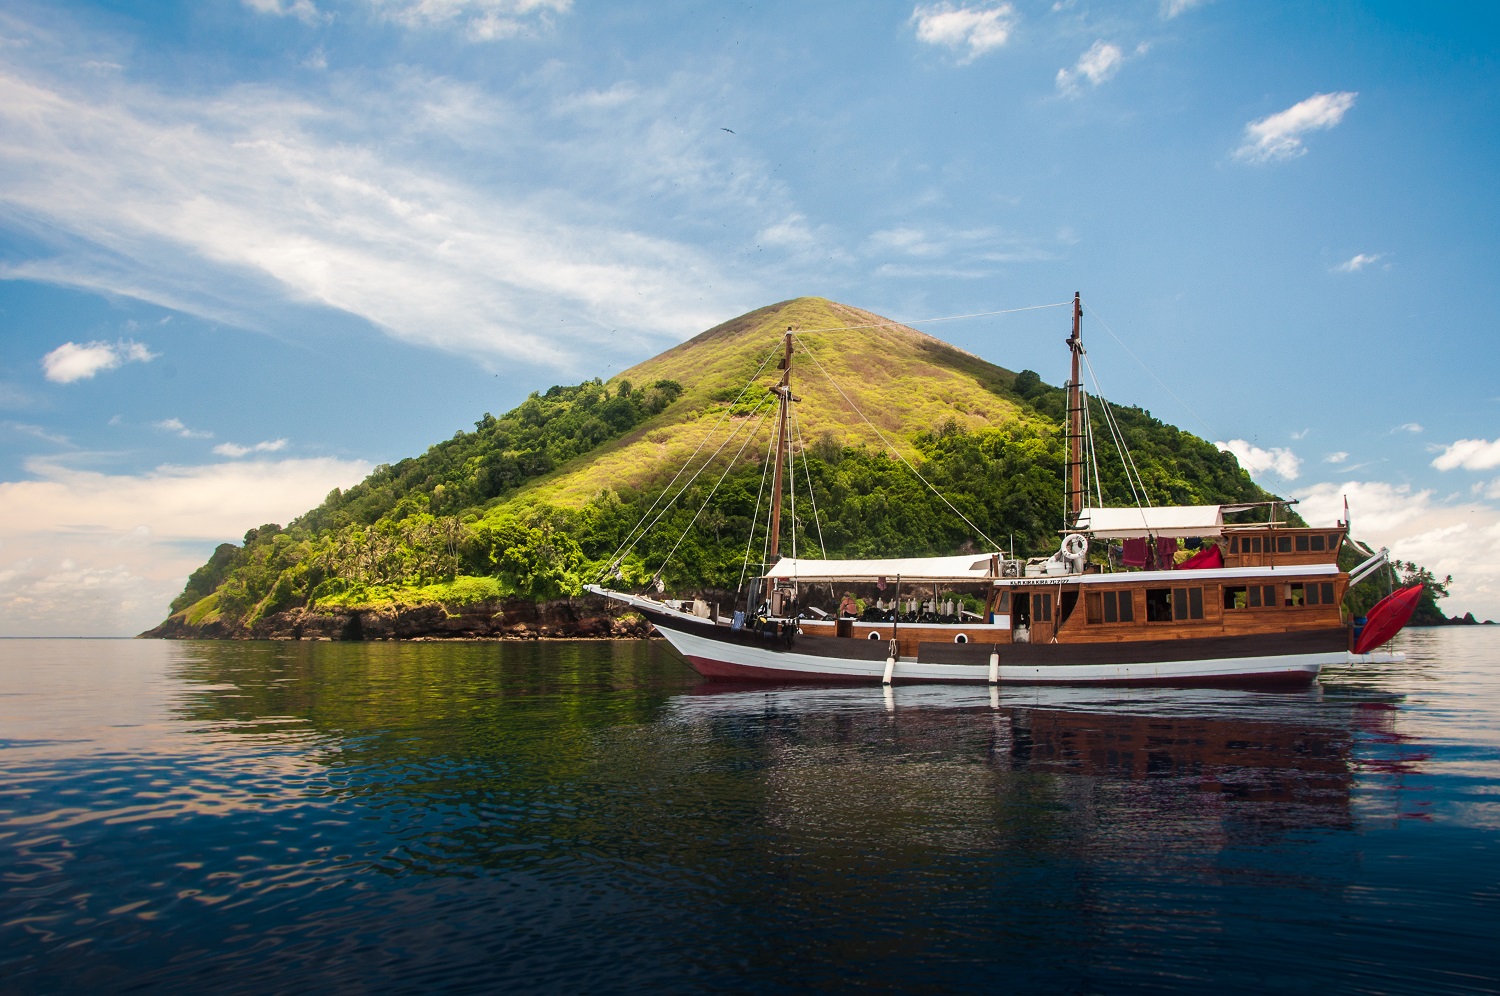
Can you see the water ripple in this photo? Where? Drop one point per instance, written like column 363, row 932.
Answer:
column 467, row 817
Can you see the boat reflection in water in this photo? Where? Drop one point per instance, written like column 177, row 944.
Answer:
column 961, row 766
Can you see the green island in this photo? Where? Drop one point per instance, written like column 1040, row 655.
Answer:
column 494, row 532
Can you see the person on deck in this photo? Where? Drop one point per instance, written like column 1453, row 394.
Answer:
column 848, row 608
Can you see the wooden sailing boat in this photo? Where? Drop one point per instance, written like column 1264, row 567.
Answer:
column 1260, row 603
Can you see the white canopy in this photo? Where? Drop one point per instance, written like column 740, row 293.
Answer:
column 971, row 567
column 1171, row 520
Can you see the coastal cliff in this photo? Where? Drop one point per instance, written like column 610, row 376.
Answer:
column 584, row 617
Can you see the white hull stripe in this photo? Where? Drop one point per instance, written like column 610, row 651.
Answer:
column 748, row 655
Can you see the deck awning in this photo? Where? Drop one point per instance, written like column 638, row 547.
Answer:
column 1171, row 520
column 971, row 567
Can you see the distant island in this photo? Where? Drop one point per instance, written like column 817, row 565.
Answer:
column 492, row 533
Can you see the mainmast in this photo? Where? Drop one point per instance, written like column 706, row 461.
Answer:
column 784, row 392
column 1075, row 418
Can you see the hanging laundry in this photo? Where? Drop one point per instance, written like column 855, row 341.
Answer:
column 1204, row 559
column 1166, row 553
column 1133, row 552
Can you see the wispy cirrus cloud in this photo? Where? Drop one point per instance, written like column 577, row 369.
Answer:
column 74, row 361
column 247, row 202
column 1172, row 8
column 921, row 251
column 1279, row 136
column 1095, row 66
column 1337, row 457
column 303, row 10
column 483, row 20
column 971, row 30
column 1278, row 460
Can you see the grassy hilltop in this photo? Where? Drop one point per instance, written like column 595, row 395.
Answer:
column 532, row 503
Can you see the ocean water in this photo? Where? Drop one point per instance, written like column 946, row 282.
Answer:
column 567, row 816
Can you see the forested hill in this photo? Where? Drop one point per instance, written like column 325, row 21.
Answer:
column 531, row 504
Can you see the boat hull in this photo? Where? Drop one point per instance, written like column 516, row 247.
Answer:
column 714, row 657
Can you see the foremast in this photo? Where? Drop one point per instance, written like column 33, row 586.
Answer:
column 783, row 391
column 1075, row 418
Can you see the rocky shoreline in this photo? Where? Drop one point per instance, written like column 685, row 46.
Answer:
column 587, row 617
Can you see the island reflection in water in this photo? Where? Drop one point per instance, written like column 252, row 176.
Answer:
column 540, row 816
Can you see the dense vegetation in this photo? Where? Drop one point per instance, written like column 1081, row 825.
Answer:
column 449, row 523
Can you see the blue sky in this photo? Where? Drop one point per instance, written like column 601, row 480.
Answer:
column 251, row 248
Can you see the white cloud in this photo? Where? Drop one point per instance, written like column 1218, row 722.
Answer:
column 302, row 10
column 1095, row 66
column 175, row 425
column 1412, row 427
column 84, row 553
column 1338, row 457
column 1171, row 8
column 72, row 361
column 1470, row 454
column 978, row 29
column 1280, row 461
column 972, row 251
column 1279, row 136
column 1447, row 537
column 1358, row 262
column 235, row 205
column 483, row 20
column 236, row 451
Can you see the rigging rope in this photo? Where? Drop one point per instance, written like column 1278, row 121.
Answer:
column 1127, row 460
column 1212, row 434
column 1088, row 429
column 750, row 538
column 712, row 491
column 727, row 439
column 899, row 455
column 616, row 558
column 807, row 476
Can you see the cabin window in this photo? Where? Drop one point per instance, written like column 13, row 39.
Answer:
column 1234, row 544
column 1236, row 597
column 1158, row 604
column 1003, row 605
column 1296, row 596
column 1187, row 603
column 1327, row 592
column 1317, row 542
column 1333, row 541
column 1302, row 539
column 874, row 635
column 1283, row 544
column 1259, row 596
column 1110, row 607
column 1043, row 606
column 961, row 638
